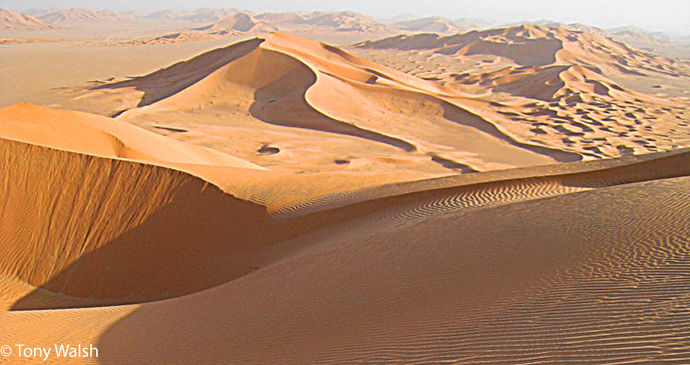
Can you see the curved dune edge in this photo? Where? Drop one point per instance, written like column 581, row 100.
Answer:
column 297, row 91
column 320, row 92
column 396, row 297
column 104, row 137
column 98, row 228
column 152, row 233
column 495, row 285
column 88, row 231
column 578, row 175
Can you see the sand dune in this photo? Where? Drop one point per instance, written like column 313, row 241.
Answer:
column 290, row 82
column 240, row 22
column 10, row 20
column 81, row 15
column 535, row 45
column 512, row 260
column 465, row 301
column 509, row 196
column 432, row 25
column 103, row 137
column 569, row 90
column 209, row 14
column 437, row 24
column 169, row 14
column 343, row 21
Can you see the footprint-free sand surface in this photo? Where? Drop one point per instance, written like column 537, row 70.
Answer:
column 506, row 196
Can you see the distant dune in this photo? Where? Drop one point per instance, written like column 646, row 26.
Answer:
column 343, row 21
column 81, row 15
column 531, row 45
column 433, row 25
column 10, row 20
column 240, row 22
column 288, row 81
column 169, row 14
column 500, row 196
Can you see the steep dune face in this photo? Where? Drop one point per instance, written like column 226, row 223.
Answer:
column 508, row 267
column 177, row 77
column 114, row 224
column 293, row 82
column 87, row 225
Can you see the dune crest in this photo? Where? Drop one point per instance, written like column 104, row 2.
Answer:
column 100, row 136
column 290, row 81
column 11, row 20
column 505, row 196
column 82, row 15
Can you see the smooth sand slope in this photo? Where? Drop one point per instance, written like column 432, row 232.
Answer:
column 287, row 87
column 287, row 202
column 580, row 263
column 513, row 97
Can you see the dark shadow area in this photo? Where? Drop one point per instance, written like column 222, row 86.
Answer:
column 464, row 117
column 268, row 150
column 452, row 165
column 173, row 79
column 198, row 240
column 283, row 102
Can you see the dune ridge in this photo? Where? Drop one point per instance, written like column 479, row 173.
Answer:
column 101, row 136
column 510, row 196
column 82, row 15
column 574, row 271
column 386, row 95
column 11, row 20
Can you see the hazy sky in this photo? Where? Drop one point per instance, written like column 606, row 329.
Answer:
column 662, row 15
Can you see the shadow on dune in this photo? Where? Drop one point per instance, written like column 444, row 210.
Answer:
column 201, row 238
column 171, row 80
column 463, row 117
column 543, row 264
column 283, row 102
column 113, row 231
column 192, row 243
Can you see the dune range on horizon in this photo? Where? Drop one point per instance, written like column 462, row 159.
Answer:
column 503, row 196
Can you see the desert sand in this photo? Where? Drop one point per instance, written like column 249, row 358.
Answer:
column 516, row 195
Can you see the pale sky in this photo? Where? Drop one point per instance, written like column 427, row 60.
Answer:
column 656, row 15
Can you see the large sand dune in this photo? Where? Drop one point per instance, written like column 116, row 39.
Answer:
column 290, row 82
column 553, row 264
column 283, row 201
column 566, row 89
column 11, row 20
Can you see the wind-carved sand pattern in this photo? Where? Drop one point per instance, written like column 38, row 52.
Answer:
column 509, row 199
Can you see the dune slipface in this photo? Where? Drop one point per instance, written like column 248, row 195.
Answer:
column 283, row 201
